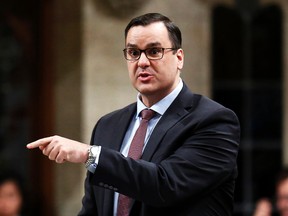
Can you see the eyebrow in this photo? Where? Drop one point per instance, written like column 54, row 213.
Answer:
column 154, row 44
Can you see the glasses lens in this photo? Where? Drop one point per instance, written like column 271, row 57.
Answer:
column 154, row 53
column 132, row 53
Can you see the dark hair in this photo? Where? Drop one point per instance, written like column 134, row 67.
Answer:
column 146, row 19
column 6, row 176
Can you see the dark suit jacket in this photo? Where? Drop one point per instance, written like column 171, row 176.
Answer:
column 188, row 166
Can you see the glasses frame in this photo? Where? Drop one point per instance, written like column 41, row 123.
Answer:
column 141, row 51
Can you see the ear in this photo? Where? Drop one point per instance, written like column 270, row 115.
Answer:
column 180, row 57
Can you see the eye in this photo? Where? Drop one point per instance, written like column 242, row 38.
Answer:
column 154, row 51
column 133, row 52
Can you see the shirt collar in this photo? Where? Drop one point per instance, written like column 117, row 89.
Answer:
column 161, row 106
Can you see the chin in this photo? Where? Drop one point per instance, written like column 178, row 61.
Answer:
column 146, row 88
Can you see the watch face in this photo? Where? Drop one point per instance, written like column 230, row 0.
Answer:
column 93, row 151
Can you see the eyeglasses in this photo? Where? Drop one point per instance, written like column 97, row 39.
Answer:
column 154, row 53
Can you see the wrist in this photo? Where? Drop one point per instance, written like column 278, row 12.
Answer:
column 93, row 153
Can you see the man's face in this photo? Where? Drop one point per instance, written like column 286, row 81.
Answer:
column 282, row 198
column 154, row 79
column 10, row 199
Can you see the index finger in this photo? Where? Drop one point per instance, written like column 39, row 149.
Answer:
column 41, row 142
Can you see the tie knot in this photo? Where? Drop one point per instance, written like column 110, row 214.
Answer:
column 147, row 114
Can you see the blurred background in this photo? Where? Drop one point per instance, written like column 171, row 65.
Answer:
column 62, row 67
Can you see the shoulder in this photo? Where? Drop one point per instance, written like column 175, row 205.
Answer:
column 209, row 104
column 208, row 107
column 114, row 120
column 203, row 107
column 198, row 102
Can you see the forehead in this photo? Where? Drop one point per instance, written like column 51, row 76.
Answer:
column 154, row 33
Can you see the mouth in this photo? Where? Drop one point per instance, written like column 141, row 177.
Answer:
column 144, row 76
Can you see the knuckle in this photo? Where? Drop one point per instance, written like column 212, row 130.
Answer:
column 44, row 151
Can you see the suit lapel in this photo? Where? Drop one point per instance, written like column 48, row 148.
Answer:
column 177, row 110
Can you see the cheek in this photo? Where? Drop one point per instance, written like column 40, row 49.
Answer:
column 131, row 70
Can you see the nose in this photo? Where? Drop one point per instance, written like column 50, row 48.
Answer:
column 143, row 61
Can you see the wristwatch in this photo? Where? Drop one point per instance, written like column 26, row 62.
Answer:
column 93, row 157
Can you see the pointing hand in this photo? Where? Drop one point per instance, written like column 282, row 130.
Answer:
column 61, row 149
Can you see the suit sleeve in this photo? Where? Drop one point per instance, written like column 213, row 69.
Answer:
column 194, row 158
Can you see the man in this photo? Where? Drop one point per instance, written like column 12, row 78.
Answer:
column 265, row 207
column 188, row 165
